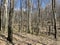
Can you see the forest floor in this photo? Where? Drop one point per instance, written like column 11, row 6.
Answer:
column 29, row 39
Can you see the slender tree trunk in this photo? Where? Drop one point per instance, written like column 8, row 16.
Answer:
column 54, row 17
column 0, row 13
column 29, row 12
column 10, row 31
column 28, row 15
column 38, row 21
column 21, row 15
column 6, row 14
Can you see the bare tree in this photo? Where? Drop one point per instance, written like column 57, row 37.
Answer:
column 54, row 17
column 0, row 13
column 38, row 18
column 30, row 16
column 10, row 31
column 28, row 1
column 6, row 14
column 29, row 12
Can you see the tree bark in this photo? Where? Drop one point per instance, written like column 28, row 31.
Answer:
column 6, row 14
column 0, row 13
column 10, row 31
column 28, row 15
column 38, row 18
column 29, row 12
column 54, row 17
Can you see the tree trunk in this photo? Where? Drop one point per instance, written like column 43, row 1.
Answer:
column 54, row 17
column 6, row 14
column 38, row 18
column 0, row 13
column 29, row 12
column 10, row 31
column 28, row 15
